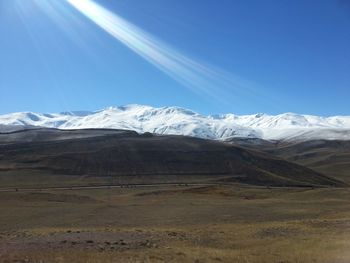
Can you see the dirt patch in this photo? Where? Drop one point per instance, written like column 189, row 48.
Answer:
column 209, row 190
column 80, row 240
column 278, row 232
column 49, row 197
column 343, row 225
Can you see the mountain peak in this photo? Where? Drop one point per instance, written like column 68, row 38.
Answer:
column 180, row 121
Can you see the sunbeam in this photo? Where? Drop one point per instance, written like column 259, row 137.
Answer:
column 190, row 73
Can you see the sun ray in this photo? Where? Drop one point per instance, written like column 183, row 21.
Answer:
column 194, row 75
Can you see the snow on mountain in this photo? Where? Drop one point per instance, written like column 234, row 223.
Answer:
column 179, row 121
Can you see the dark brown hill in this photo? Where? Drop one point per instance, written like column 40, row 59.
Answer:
column 330, row 157
column 108, row 153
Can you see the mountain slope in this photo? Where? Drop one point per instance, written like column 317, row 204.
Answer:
column 97, row 153
column 178, row 121
column 331, row 157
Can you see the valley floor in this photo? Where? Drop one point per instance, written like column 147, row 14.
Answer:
column 176, row 224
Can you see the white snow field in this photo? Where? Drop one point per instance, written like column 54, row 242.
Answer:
column 179, row 121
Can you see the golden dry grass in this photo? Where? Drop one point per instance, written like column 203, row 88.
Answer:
column 215, row 224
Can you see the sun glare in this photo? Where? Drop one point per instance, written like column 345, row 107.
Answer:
column 192, row 74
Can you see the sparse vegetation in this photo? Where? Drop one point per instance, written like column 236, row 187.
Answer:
column 177, row 224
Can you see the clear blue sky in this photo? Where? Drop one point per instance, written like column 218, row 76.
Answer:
column 297, row 54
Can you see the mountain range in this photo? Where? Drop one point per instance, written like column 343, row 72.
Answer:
column 180, row 121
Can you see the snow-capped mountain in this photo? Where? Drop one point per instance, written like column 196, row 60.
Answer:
column 179, row 121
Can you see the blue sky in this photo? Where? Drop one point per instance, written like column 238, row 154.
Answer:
column 292, row 56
